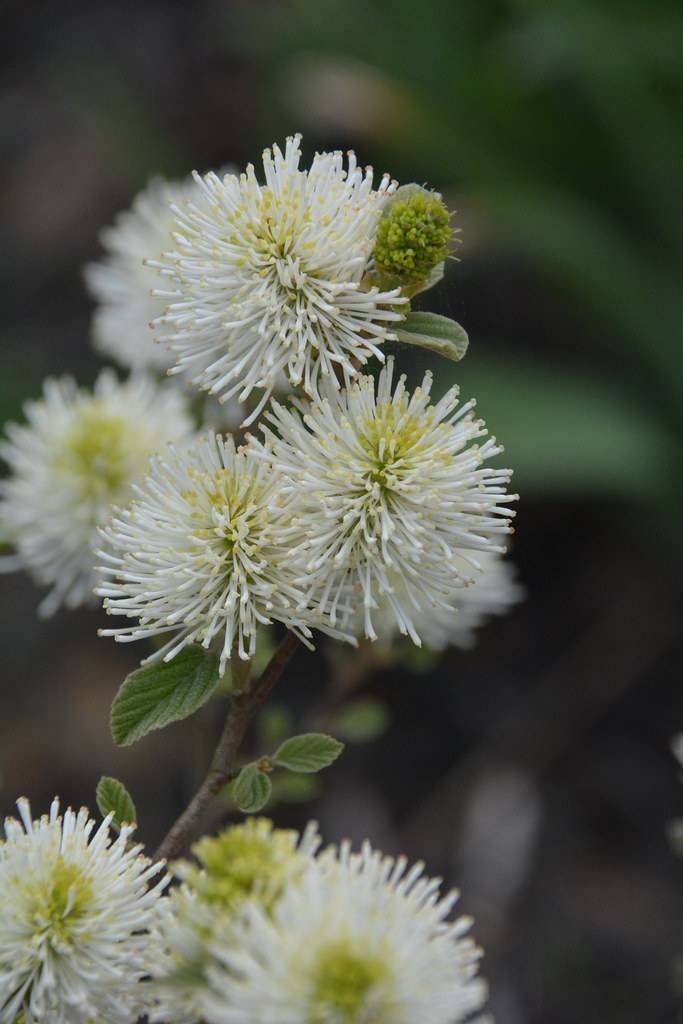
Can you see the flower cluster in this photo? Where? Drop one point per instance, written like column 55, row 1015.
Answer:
column 370, row 496
column 396, row 495
column 204, row 552
column 79, row 453
column 268, row 278
column 262, row 928
column 357, row 507
column 247, row 864
column 76, row 907
column 267, row 930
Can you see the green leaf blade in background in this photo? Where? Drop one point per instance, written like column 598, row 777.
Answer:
column 155, row 695
column 113, row 797
column 565, row 433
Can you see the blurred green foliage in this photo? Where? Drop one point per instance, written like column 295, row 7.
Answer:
column 362, row 720
column 558, row 123
column 555, row 126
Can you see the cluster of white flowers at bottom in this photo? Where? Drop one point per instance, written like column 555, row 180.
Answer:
column 79, row 454
column 250, row 862
column 350, row 938
column 76, row 907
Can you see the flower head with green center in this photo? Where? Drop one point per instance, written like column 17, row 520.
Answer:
column 269, row 278
column 342, row 984
column 122, row 285
column 77, row 456
column 396, row 498
column 75, row 905
column 247, row 863
column 204, row 552
column 413, row 236
column 357, row 939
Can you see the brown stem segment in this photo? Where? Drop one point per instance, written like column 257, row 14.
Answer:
column 243, row 708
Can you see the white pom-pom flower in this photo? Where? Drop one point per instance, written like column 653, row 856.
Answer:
column 204, row 552
column 395, row 497
column 121, row 283
column 268, row 278
column 493, row 591
column 249, row 862
column 75, row 907
column 76, row 457
column 358, row 939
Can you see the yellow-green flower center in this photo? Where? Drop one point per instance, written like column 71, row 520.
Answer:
column 247, row 860
column 63, row 900
column 343, row 981
column 98, row 452
column 227, row 506
column 392, row 437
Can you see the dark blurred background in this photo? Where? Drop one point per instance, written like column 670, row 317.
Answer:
column 535, row 771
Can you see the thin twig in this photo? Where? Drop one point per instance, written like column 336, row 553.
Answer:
column 243, row 708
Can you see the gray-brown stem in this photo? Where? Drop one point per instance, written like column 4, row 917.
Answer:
column 243, row 708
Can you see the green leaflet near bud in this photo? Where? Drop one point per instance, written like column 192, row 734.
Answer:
column 252, row 789
column 112, row 796
column 309, row 752
column 435, row 332
column 413, row 236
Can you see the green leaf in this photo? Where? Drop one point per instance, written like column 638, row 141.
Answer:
column 165, row 692
column 435, row 332
column 362, row 720
column 252, row 789
column 112, row 795
column 308, row 753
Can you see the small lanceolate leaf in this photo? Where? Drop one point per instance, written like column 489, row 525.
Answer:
column 252, row 789
column 309, row 752
column 437, row 333
column 112, row 795
column 158, row 694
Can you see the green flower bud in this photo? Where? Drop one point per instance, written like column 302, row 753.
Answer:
column 413, row 235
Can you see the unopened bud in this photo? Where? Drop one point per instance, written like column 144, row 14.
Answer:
column 413, row 235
